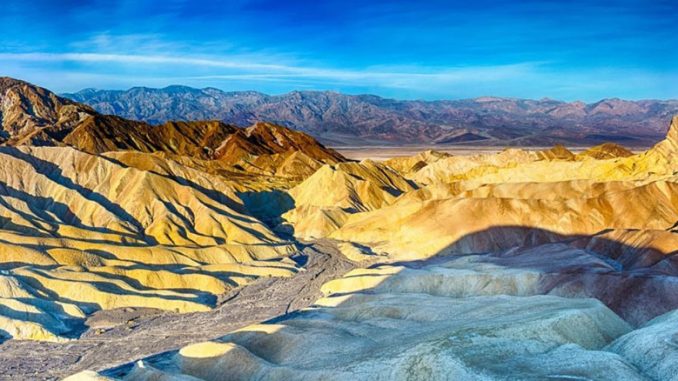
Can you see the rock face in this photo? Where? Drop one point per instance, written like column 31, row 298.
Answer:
column 269, row 139
column 33, row 115
column 408, row 165
column 356, row 187
column 605, row 151
column 474, row 317
column 368, row 119
column 274, row 150
column 103, row 133
column 652, row 348
column 451, row 339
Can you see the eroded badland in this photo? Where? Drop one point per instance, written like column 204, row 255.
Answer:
column 204, row 251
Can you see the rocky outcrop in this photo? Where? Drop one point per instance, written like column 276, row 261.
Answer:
column 668, row 148
column 605, row 151
column 355, row 187
column 104, row 133
column 36, row 116
column 408, row 165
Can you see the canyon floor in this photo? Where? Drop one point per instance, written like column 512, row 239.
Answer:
column 117, row 337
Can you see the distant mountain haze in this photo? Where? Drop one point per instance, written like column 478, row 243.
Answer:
column 345, row 120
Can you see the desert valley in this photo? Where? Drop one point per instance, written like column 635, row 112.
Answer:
column 201, row 250
column 338, row 190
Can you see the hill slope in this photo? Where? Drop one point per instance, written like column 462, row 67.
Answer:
column 82, row 232
column 32, row 115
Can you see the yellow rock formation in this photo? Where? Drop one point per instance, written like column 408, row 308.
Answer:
column 523, row 264
column 325, row 200
column 407, row 165
column 491, row 202
column 83, row 232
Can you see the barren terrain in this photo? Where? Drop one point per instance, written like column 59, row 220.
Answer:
column 205, row 251
column 120, row 336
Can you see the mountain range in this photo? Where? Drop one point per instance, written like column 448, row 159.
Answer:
column 31, row 115
column 349, row 120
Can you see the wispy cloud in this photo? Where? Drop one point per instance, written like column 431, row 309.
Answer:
column 138, row 59
column 234, row 72
column 393, row 76
column 430, row 49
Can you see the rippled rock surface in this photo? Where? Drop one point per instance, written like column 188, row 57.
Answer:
column 453, row 319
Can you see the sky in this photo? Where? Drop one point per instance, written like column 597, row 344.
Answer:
column 426, row 49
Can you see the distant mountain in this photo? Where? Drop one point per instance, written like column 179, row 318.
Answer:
column 367, row 119
column 31, row 115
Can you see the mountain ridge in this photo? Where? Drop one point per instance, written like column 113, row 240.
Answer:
column 32, row 115
column 344, row 120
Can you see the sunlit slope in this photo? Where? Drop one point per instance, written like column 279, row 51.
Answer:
column 522, row 314
column 82, row 232
column 408, row 165
column 325, row 200
column 423, row 229
column 263, row 148
column 489, row 208
column 69, row 194
column 602, row 163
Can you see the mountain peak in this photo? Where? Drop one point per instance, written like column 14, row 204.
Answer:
column 33, row 115
column 672, row 134
column 275, row 138
column 668, row 147
column 180, row 89
column 7, row 82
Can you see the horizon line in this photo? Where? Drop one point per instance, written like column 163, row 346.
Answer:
column 358, row 94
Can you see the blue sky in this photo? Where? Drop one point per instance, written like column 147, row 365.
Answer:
column 426, row 49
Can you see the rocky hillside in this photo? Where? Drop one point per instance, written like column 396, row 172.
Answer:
column 367, row 119
column 521, row 265
column 35, row 116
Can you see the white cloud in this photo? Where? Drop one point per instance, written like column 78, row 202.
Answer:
column 386, row 76
column 526, row 79
column 136, row 59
